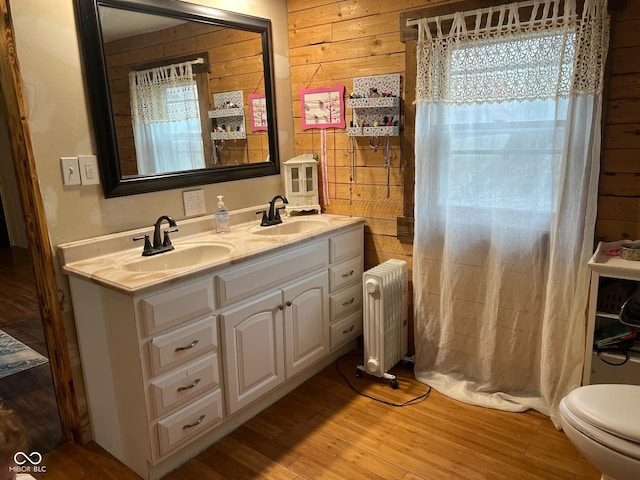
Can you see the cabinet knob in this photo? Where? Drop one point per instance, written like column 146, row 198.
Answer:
column 188, row 347
column 194, row 424
column 189, row 387
column 289, row 304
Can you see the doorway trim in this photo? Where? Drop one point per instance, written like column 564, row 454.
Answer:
column 37, row 232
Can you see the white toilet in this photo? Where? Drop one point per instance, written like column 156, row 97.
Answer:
column 603, row 422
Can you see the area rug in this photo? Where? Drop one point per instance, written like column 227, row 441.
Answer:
column 15, row 356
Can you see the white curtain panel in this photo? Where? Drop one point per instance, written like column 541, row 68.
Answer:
column 166, row 119
column 507, row 162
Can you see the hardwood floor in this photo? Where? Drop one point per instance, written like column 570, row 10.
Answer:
column 325, row 430
column 30, row 393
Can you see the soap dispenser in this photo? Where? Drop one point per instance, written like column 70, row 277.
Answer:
column 222, row 217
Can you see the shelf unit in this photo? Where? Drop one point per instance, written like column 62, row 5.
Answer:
column 612, row 280
column 233, row 119
column 371, row 110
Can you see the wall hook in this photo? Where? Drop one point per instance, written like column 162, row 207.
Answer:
column 351, row 146
column 374, row 143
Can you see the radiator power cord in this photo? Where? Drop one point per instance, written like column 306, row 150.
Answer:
column 412, row 401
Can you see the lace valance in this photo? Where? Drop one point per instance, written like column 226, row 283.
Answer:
column 552, row 53
column 164, row 94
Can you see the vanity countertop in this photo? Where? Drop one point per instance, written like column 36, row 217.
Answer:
column 108, row 260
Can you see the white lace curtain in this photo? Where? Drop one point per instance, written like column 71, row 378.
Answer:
column 166, row 119
column 507, row 160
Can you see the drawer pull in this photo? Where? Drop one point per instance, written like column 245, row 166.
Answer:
column 188, row 347
column 345, row 275
column 349, row 329
column 194, row 424
column 189, row 387
column 353, row 299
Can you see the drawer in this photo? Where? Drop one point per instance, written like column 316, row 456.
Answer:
column 345, row 245
column 172, row 349
column 168, row 309
column 190, row 422
column 185, row 384
column 346, row 329
column 346, row 301
column 255, row 277
column 345, row 273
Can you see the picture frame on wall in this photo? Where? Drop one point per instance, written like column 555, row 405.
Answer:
column 322, row 107
column 258, row 112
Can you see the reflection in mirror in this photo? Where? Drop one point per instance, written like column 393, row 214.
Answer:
column 229, row 124
column 179, row 78
column 258, row 109
column 165, row 121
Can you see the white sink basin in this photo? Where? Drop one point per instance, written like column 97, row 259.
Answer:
column 181, row 257
column 291, row 227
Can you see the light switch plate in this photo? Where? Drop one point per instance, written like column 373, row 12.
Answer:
column 89, row 170
column 194, row 203
column 70, row 171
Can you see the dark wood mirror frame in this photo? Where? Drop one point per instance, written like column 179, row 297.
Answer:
column 114, row 184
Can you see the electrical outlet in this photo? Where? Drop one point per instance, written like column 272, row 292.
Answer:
column 70, row 171
column 194, row 203
column 88, row 170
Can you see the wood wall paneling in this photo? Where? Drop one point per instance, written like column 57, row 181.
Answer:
column 619, row 187
column 332, row 42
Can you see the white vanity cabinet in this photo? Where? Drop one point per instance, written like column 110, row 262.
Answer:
column 180, row 365
column 151, row 365
column 345, row 285
column 270, row 338
column 171, row 368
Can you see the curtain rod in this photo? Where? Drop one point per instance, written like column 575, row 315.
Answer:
column 414, row 22
column 196, row 61
column 157, row 64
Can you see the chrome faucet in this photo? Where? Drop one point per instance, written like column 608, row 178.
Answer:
column 159, row 246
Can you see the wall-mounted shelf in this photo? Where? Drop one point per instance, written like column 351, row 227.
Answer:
column 226, row 112
column 228, row 135
column 373, row 131
column 369, row 112
column 376, row 102
column 228, row 123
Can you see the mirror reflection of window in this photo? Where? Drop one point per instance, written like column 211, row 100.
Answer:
column 166, row 119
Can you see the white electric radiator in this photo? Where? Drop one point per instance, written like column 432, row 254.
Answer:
column 385, row 311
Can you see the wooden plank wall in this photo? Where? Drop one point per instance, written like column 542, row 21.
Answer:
column 333, row 41
column 619, row 189
column 235, row 64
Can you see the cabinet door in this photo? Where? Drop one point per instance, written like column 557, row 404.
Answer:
column 253, row 349
column 306, row 319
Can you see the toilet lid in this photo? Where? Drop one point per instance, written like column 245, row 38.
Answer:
column 610, row 407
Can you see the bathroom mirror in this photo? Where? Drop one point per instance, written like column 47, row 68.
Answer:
column 226, row 52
